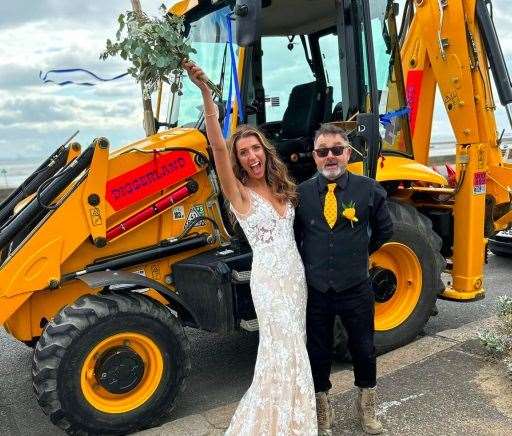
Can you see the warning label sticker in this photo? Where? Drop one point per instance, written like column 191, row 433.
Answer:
column 195, row 212
column 178, row 213
column 479, row 182
column 95, row 216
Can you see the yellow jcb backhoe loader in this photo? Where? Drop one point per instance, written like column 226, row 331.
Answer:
column 107, row 255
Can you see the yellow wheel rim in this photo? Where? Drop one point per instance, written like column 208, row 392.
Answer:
column 108, row 402
column 404, row 263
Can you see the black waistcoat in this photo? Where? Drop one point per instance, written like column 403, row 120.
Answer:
column 334, row 259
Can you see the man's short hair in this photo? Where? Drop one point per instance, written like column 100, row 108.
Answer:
column 331, row 129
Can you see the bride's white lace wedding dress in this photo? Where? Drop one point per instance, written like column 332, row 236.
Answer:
column 281, row 398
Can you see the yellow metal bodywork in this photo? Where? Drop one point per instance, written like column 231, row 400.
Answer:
column 64, row 242
column 463, row 80
column 182, row 7
column 392, row 168
column 95, row 184
column 459, row 70
column 74, row 235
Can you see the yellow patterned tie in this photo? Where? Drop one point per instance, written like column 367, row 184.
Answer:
column 330, row 205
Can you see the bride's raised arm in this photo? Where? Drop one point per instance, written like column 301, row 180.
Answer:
column 231, row 186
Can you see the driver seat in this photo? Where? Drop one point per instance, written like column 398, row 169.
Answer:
column 309, row 105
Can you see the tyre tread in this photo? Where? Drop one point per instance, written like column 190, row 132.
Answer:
column 409, row 215
column 69, row 324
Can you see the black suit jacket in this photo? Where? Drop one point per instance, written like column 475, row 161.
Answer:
column 337, row 258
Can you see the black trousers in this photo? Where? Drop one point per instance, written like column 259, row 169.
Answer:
column 355, row 306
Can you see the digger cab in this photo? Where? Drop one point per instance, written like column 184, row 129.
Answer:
column 288, row 66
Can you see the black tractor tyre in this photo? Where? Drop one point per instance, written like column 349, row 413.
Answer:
column 414, row 230
column 74, row 332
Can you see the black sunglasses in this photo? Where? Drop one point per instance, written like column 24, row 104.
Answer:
column 337, row 150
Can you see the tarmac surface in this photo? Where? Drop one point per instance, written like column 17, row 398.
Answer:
column 454, row 392
column 438, row 385
column 222, row 369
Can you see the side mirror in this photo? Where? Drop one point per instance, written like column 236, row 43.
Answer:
column 248, row 21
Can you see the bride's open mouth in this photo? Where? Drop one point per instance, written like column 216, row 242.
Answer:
column 256, row 167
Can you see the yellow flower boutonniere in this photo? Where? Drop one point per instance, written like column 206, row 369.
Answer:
column 349, row 212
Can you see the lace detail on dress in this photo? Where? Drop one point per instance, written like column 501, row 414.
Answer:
column 281, row 399
column 260, row 231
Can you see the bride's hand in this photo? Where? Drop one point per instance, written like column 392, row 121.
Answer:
column 195, row 74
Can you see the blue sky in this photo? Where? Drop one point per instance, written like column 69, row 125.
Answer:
column 39, row 35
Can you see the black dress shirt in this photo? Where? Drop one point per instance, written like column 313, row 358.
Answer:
column 337, row 258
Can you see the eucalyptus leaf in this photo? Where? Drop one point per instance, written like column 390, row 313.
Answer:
column 155, row 46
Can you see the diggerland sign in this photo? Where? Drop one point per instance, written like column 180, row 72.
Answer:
column 163, row 171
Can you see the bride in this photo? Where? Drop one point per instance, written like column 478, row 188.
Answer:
column 281, row 398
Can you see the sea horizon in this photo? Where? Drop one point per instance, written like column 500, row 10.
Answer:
column 14, row 171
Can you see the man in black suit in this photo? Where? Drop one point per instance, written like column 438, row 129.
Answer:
column 341, row 219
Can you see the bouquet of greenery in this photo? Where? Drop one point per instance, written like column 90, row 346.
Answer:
column 155, row 47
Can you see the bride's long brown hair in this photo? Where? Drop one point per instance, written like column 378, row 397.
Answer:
column 276, row 173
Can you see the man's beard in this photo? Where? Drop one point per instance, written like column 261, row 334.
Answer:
column 331, row 175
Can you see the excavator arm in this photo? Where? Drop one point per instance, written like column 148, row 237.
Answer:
column 447, row 44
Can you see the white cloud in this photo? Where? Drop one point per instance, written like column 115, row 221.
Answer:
column 47, row 34
column 54, row 34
